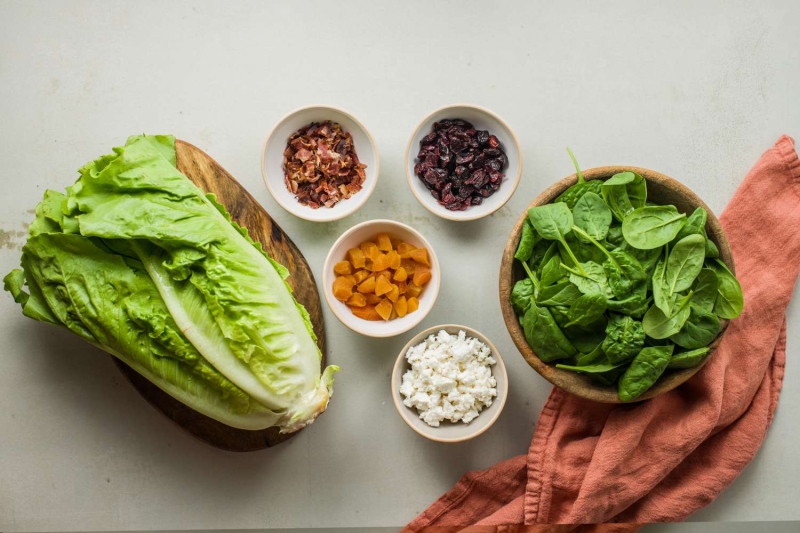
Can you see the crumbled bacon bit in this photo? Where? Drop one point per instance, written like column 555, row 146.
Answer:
column 320, row 165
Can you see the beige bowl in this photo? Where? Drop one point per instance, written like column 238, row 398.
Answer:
column 448, row 431
column 482, row 119
column 661, row 189
column 351, row 239
column 272, row 161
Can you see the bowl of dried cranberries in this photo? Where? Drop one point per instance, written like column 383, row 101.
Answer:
column 320, row 163
column 463, row 162
column 381, row 278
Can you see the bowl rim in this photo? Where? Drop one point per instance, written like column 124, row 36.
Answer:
column 444, row 213
column 563, row 378
column 365, row 191
column 328, row 265
column 400, row 363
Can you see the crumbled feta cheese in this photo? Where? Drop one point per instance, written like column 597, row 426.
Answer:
column 450, row 378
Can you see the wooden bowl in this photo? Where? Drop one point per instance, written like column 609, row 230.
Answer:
column 661, row 189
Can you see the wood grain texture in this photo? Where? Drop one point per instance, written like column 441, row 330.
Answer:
column 247, row 212
column 661, row 189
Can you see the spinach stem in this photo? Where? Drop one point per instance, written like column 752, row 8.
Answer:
column 572, row 256
column 577, row 168
column 602, row 248
column 531, row 275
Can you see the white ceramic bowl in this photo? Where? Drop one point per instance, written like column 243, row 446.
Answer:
column 449, row 431
column 482, row 119
column 272, row 162
column 368, row 231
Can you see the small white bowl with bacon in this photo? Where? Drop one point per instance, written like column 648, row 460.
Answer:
column 320, row 163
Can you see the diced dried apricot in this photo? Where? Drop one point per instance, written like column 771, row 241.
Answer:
column 409, row 265
column 401, row 306
column 366, row 248
column 342, row 268
column 394, row 259
column 402, row 286
column 351, row 278
column 404, row 249
column 400, row 274
column 413, row 304
column 394, row 293
column 367, row 312
column 360, row 275
column 422, row 275
column 413, row 290
column 420, row 255
column 373, row 299
column 357, row 300
column 382, row 286
column 384, row 243
column 380, row 262
column 384, row 309
column 342, row 288
column 356, row 257
column 394, row 313
column 367, row 286
column 395, row 243
column 374, row 253
column 385, row 273
column 368, row 264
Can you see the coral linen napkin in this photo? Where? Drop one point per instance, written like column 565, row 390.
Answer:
column 663, row 459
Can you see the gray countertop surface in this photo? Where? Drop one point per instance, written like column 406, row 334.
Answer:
column 696, row 90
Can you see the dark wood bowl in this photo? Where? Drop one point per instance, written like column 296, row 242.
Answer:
column 661, row 189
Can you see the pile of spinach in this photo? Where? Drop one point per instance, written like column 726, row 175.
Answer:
column 619, row 288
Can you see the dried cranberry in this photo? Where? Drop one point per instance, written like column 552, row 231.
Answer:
column 466, row 191
column 462, row 123
column 456, row 144
column 503, row 160
column 493, row 164
column 463, row 159
column 492, row 152
column 428, row 139
column 495, row 186
column 482, row 137
column 442, row 124
column 431, row 160
column 461, row 171
column 494, row 142
column 477, row 200
column 470, row 132
column 435, row 194
column 486, row 191
column 444, row 160
column 419, row 169
column 430, row 176
column 495, row 177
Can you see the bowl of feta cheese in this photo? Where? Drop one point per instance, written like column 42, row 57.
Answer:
column 449, row 383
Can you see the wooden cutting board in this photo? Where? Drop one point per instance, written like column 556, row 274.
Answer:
column 247, row 212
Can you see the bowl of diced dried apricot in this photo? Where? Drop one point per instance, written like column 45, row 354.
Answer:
column 381, row 278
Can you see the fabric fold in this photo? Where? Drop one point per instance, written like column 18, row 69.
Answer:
column 662, row 459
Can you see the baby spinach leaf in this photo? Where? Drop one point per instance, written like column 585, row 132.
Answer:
column 634, row 304
column 562, row 293
column 614, row 239
column 660, row 325
column 592, row 215
column 730, row 300
column 544, row 336
column 526, row 242
column 552, row 250
column 645, row 369
column 699, row 330
column 624, row 192
column 596, row 368
column 705, row 289
column 607, row 378
column 688, row 359
column 652, row 227
column 592, row 279
column 646, row 258
column 712, row 252
column 553, row 222
column 594, row 356
column 521, row 295
column 661, row 296
column 622, row 271
column 584, row 338
column 695, row 224
column 684, row 263
column 586, row 309
column 624, row 338
column 583, row 252
column 551, row 272
column 575, row 192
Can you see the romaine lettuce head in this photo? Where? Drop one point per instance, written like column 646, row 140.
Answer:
column 140, row 262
